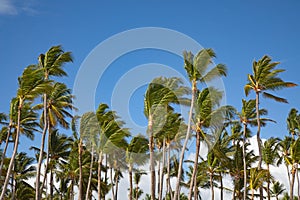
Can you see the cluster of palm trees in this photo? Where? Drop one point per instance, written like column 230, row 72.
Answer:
column 90, row 162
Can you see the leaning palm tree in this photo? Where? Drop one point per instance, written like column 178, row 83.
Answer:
column 269, row 156
column 265, row 78
column 51, row 64
column 161, row 92
column 197, row 70
column 31, row 85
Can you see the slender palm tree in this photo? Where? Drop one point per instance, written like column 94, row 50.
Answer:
column 277, row 189
column 269, row 156
column 51, row 64
column 31, row 85
column 265, row 78
column 161, row 92
column 257, row 179
column 293, row 122
column 197, row 70
column 137, row 179
column 136, row 156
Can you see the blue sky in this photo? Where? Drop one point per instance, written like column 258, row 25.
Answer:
column 238, row 31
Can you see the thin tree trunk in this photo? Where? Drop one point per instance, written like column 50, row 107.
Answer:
column 51, row 184
column 5, row 147
column 169, row 189
column 298, row 183
column 99, row 175
column 152, row 166
column 137, row 192
column 211, row 187
column 268, row 183
column 38, row 174
column 130, row 182
column 80, row 169
column 252, row 194
column 195, row 169
column 112, row 183
column 221, row 187
column 158, row 174
column 244, row 161
column 177, row 188
column 292, row 183
column 161, row 185
column 87, row 195
column 117, row 184
column 48, row 152
column 259, row 142
column 13, row 185
column 12, row 160
column 72, row 190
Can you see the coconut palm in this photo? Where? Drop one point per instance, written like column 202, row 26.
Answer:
column 31, row 85
column 265, row 78
column 50, row 64
column 137, row 179
column 270, row 155
column 293, row 122
column 161, row 92
column 277, row 189
column 197, row 70
column 257, row 179
column 136, row 156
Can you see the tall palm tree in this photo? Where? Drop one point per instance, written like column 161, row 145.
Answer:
column 161, row 92
column 264, row 78
column 136, row 156
column 197, row 70
column 137, row 179
column 269, row 157
column 31, row 85
column 257, row 179
column 293, row 122
column 51, row 64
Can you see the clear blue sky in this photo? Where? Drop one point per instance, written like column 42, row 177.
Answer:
column 238, row 31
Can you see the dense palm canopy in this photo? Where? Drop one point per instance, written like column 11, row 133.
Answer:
column 95, row 157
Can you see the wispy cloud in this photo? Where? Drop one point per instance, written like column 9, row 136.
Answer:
column 7, row 8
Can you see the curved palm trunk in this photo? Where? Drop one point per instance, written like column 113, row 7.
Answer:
column 99, row 175
column 12, row 160
column 5, row 148
column 244, row 161
column 130, row 182
column 259, row 142
column 292, row 183
column 152, row 164
column 177, row 188
column 87, row 195
column 195, row 166
column 161, row 185
column 38, row 174
column 80, row 169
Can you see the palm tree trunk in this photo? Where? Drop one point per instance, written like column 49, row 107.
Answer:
column 177, row 188
column 268, row 182
column 211, row 186
column 130, row 182
column 195, row 165
column 292, row 183
column 87, row 194
column 112, row 183
column 161, row 185
column 80, row 169
column 137, row 191
column 158, row 173
column 38, row 174
column 99, row 175
column 152, row 166
column 13, row 156
column 221, row 187
column 168, row 172
column 72, row 190
column 298, row 183
column 117, row 185
column 252, row 194
column 259, row 142
column 13, row 186
column 51, row 184
column 244, row 161
column 48, row 152
column 5, row 147
column 196, row 190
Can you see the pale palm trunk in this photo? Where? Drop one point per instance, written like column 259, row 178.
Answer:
column 221, row 187
column 12, row 160
column 99, row 175
column 292, row 183
column 47, row 159
column 177, row 188
column 298, row 183
column 169, row 189
column 87, row 195
column 152, row 164
column 268, row 182
column 195, row 169
column 130, row 182
column 5, row 147
column 244, row 161
column 13, row 185
column 51, row 184
column 80, row 169
column 38, row 174
column 117, row 185
column 259, row 141
column 158, row 173
column 112, row 182
column 161, row 185
column 211, row 186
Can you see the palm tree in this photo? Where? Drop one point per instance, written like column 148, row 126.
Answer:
column 160, row 93
column 137, row 178
column 31, row 85
column 257, row 178
column 265, row 78
column 136, row 156
column 277, row 189
column 293, row 122
column 196, row 68
column 269, row 156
